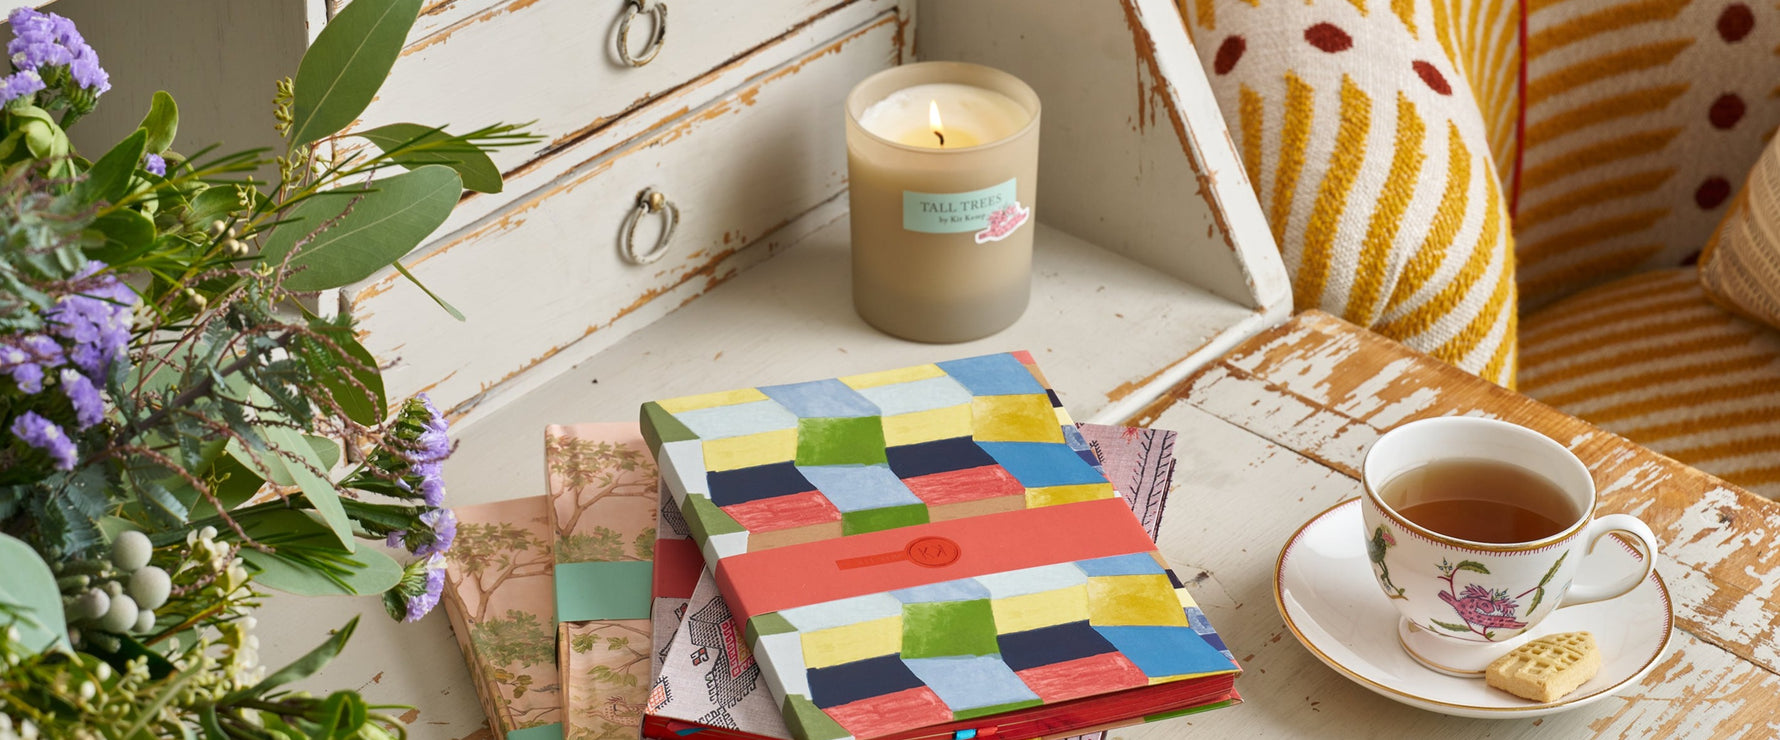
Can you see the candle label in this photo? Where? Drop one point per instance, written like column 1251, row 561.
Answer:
column 993, row 212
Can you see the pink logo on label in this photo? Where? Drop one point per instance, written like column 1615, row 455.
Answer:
column 1003, row 222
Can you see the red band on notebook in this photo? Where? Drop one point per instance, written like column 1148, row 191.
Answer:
column 678, row 564
column 757, row 583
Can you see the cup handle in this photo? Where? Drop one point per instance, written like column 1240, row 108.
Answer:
column 1585, row 593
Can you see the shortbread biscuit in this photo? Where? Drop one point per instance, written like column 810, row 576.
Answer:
column 1546, row 669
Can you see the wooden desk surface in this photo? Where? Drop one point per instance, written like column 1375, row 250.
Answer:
column 1274, row 432
column 1271, row 434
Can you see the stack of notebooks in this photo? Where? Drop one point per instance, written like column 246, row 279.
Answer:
column 931, row 552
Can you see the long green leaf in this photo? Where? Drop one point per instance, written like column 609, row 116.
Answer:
column 415, row 145
column 380, row 225
column 320, row 492
column 109, row 178
column 161, row 123
column 343, row 69
column 363, row 573
column 30, row 598
column 303, row 667
column 450, row 309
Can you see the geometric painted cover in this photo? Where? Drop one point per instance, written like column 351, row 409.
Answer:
column 705, row 678
column 926, row 550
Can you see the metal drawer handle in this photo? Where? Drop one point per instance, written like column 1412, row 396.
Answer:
column 659, row 10
column 649, row 201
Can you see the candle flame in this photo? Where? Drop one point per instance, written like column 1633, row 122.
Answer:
column 939, row 129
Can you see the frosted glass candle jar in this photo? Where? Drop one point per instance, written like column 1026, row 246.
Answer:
column 942, row 166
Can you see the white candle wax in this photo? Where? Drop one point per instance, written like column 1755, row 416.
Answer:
column 969, row 116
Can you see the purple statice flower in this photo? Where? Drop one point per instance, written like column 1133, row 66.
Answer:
column 19, row 84
column 424, row 595
column 444, row 525
column 43, row 434
column 89, row 409
column 27, row 358
column 41, row 40
column 95, row 320
column 155, row 164
column 394, row 538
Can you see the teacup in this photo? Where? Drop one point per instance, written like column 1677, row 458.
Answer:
column 1465, row 603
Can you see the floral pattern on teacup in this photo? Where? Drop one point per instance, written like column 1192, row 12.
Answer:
column 1376, row 548
column 1484, row 611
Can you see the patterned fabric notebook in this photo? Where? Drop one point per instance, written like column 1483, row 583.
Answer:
column 712, row 682
column 498, row 597
column 603, row 494
column 932, row 548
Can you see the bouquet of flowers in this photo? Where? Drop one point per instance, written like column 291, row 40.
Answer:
column 180, row 425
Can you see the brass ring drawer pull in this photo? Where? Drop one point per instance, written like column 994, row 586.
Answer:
column 649, row 201
column 659, row 10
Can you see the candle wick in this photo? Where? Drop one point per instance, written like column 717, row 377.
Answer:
column 942, row 137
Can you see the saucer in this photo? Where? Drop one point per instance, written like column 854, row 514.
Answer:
column 1324, row 588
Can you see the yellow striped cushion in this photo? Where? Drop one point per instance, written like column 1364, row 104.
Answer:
column 1741, row 265
column 1641, row 116
column 1370, row 156
column 1651, row 358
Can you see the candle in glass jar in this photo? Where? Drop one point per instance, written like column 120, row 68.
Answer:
column 942, row 168
column 944, row 115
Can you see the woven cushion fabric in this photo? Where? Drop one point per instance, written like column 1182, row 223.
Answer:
column 1741, row 265
column 1650, row 357
column 1641, row 118
column 1372, row 160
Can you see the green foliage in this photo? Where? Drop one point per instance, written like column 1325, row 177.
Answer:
column 29, row 599
column 161, row 124
column 343, row 236
column 306, row 558
column 413, row 145
column 109, row 178
column 1473, row 566
column 1450, row 626
column 346, row 64
column 645, row 544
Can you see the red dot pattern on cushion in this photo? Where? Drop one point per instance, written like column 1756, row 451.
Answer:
column 1726, row 111
column 1329, row 38
column 1712, row 192
column 1433, row 78
column 1229, row 53
column 1735, row 22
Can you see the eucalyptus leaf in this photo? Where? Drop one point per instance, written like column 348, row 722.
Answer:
column 126, row 233
column 276, row 468
column 235, row 483
column 325, row 449
column 415, row 145
column 161, row 123
column 380, row 225
column 29, row 598
column 347, row 63
column 109, row 178
column 365, row 405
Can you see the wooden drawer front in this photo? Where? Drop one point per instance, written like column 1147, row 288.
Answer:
column 435, row 15
column 555, row 62
column 545, row 272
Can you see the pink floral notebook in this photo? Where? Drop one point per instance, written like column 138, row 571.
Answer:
column 602, row 485
column 498, row 596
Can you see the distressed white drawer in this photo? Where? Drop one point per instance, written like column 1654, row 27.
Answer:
column 545, row 272
column 435, row 15
column 555, row 63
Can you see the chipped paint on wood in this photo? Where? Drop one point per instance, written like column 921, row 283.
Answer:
column 1325, row 389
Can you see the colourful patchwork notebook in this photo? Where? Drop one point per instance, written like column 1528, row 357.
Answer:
column 710, row 682
column 931, row 549
column 498, row 597
column 604, row 499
